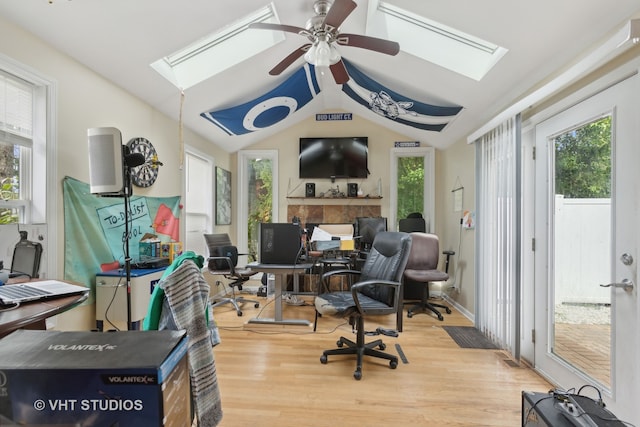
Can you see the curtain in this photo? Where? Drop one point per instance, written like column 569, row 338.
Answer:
column 498, row 237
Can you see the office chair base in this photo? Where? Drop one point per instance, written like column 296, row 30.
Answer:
column 425, row 307
column 368, row 349
column 236, row 302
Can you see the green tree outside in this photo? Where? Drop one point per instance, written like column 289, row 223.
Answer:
column 410, row 186
column 583, row 161
column 260, row 200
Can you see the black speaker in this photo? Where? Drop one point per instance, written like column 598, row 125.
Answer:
column 352, row 190
column 310, row 189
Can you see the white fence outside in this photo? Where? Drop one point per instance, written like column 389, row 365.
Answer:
column 582, row 251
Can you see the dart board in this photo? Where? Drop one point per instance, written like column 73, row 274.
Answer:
column 145, row 174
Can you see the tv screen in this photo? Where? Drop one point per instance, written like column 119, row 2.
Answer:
column 343, row 157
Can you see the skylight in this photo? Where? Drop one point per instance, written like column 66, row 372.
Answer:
column 219, row 51
column 434, row 42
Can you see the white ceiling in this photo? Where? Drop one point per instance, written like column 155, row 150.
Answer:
column 120, row 38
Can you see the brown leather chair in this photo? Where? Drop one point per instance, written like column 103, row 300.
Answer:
column 422, row 267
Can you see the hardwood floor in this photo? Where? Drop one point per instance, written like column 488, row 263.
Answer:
column 271, row 375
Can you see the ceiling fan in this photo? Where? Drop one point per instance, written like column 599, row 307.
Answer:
column 323, row 30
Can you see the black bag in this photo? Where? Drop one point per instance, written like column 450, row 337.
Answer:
column 224, row 251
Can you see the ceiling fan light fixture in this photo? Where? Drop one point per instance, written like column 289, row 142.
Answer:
column 322, row 54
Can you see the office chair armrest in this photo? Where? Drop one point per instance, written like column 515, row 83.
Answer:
column 357, row 286
column 326, row 277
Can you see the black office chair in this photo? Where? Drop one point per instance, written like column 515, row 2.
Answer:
column 376, row 292
column 26, row 258
column 422, row 268
column 412, row 223
column 223, row 260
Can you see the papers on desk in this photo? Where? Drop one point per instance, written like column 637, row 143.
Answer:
column 333, row 236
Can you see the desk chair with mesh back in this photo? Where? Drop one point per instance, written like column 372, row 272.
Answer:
column 223, row 259
column 422, row 268
column 376, row 292
column 26, row 258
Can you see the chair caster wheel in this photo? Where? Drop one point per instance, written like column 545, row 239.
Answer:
column 382, row 346
column 256, row 305
column 448, row 310
column 409, row 315
column 323, row 359
column 393, row 364
column 357, row 375
column 339, row 343
column 440, row 318
column 239, row 313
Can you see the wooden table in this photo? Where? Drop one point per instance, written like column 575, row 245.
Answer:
column 33, row 315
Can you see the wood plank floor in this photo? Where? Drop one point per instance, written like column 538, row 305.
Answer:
column 271, row 375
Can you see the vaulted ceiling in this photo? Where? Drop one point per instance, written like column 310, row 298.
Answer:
column 119, row 39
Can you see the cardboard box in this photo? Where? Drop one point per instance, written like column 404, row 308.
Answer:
column 149, row 245
column 94, row 379
column 328, row 237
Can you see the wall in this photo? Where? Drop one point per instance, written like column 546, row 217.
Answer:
column 85, row 100
column 381, row 141
column 455, row 167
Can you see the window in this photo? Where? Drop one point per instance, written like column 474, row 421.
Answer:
column 412, row 177
column 258, row 201
column 28, row 155
column 16, row 141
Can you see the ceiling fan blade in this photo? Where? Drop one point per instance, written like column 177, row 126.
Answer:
column 290, row 59
column 370, row 43
column 280, row 27
column 339, row 71
column 338, row 13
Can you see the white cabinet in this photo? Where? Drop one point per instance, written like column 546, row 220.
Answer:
column 111, row 297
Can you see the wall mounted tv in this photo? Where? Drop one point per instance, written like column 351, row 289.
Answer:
column 336, row 157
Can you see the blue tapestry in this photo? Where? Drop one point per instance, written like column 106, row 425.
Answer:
column 394, row 106
column 271, row 107
column 94, row 229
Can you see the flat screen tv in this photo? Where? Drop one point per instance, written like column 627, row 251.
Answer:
column 336, row 157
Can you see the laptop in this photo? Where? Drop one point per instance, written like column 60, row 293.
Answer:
column 280, row 243
column 38, row 291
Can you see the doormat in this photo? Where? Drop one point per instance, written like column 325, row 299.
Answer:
column 469, row 337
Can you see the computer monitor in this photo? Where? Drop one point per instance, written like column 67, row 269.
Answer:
column 368, row 227
column 280, row 243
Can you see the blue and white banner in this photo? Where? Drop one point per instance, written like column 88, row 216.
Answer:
column 271, row 107
column 394, row 106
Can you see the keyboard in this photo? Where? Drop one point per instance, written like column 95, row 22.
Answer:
column 23, row 291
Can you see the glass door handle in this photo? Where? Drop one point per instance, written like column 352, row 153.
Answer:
column 626, row 284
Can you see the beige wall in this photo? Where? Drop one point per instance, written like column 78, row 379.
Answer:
column 86, row 100
column 381, row 141
column 455, row 167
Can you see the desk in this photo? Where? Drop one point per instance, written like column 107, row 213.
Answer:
column 280, row 271
column 33, row 315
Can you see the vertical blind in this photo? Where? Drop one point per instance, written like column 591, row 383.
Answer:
column 497, row 243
